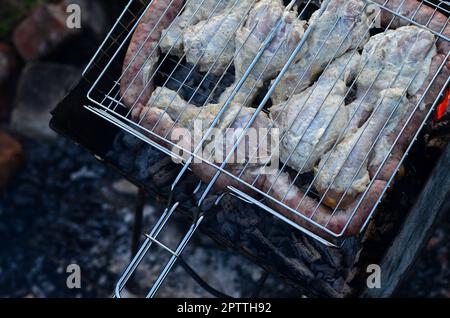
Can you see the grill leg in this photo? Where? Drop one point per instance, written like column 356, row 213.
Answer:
column 137, row 225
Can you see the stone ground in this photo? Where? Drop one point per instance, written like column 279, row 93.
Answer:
column 63, row 208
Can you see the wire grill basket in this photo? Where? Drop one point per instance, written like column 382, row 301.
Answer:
column 294, row 67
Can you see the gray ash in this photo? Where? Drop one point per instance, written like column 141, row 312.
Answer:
column 53, row 215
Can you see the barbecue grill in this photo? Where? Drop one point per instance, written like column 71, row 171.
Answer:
column 103, row 104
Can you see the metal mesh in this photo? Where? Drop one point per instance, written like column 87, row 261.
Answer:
column 254, row 87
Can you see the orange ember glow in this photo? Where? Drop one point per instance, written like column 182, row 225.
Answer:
column 440, row 111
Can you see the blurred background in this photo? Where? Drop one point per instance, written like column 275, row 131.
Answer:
column 58, row 206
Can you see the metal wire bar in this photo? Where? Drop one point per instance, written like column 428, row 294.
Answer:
column 342, row 100
column 321, row 239
column 198, row 85
column 105, row 40
column 261, row 75
column 302, row 77
column 142, row 45
column 186, row 239
column 153, row 51
column 154, row 135
column 166, row 56
column 308, row 159
column 268, row 197
column 397, row 105
column 143, row 250
column 439, row 5
column 397, row 14
column 432, row 108
column 213, row 90
column 151, row 54
column 118, row 50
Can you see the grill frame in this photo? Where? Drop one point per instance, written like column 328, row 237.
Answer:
column 96, row 118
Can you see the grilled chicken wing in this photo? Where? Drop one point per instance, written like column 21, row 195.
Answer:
column 198, row 119
column 210, row 44
column 344, row 170
column 184, row 113
column 194, row 12
column 249, row 38
column 342, row 26
column 310, row 122
column 398, row 58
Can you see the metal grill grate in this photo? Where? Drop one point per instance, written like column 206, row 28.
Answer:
column 307, row 51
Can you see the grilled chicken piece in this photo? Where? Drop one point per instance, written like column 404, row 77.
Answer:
column 311, row 122
column 184, row 113
column 420, row 13
column 401, row 133
column 249, row 38
column 382, row 148
column 342, row 26
column 398, row 58
column 342, row 174
column 194, row 12
column 438, row 22
column 198, row 119
column 210, row 44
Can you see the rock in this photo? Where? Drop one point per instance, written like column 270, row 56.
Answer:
column 11, row 158
column 5, row 104
column 124, row 186
column 41, row 86
column 8, row 62
column 47, row 28
column 42, row 31
column 8, row 70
